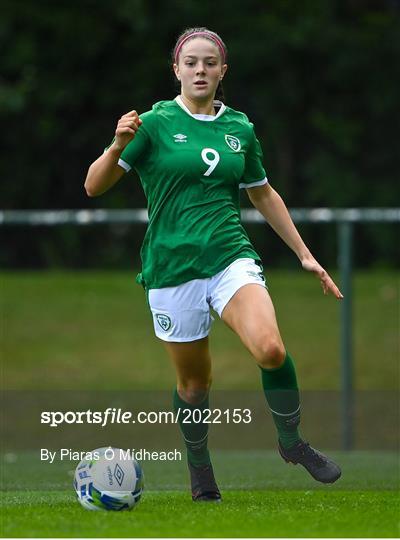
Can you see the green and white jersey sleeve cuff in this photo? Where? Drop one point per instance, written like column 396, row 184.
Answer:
column 254, row 184
column 121, row 162
column 124, row 165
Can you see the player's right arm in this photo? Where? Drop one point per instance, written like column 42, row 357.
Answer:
column 105, row 171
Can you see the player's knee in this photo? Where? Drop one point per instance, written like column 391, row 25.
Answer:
column 194, row 391
column 271, row 354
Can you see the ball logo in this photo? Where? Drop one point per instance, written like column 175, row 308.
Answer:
column 164, row 321
column 119, row 474
column 233, row 142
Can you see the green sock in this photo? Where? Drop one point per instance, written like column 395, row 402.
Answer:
column 194, row 434
column 282, row 393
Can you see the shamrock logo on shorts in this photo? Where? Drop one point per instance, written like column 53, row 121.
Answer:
column 164, row 321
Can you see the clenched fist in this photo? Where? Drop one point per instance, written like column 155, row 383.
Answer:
column 126, row 130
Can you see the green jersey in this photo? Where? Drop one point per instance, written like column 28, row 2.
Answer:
column 191, row 168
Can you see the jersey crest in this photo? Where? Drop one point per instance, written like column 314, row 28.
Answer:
column 233, row 142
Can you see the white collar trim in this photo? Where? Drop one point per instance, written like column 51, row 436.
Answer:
column 202, row 117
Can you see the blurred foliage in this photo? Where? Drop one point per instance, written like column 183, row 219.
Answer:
column 318, row 78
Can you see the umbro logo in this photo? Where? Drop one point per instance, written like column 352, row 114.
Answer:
column 180, row 137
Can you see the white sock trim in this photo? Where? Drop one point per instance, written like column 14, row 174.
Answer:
column 195, row 442
column 288, row 414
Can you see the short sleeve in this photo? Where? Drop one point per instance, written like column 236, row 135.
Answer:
column 254, row 174
column 138, row 148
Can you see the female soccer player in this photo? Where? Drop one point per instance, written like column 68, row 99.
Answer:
column 192, row 155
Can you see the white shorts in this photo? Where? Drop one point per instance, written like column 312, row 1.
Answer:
column 182, row 313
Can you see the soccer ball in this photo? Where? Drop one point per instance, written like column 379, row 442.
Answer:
column 108, row 480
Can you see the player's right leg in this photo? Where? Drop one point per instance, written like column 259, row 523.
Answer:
column 182, row 321
column 193, row 369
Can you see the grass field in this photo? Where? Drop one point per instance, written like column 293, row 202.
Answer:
column 82, row 330
column 58, row 323
column 263, row 497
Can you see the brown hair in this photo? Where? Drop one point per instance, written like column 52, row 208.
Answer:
column 191, row 33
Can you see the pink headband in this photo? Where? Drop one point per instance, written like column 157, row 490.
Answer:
column 214, row 38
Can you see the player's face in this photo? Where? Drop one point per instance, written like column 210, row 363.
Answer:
column 199, row 69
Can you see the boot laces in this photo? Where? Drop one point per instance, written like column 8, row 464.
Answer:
column 313, row 455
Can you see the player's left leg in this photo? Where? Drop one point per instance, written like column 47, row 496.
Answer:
column 251, row 315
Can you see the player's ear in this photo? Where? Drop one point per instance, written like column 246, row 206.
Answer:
column 176, row 71
column 224, row 70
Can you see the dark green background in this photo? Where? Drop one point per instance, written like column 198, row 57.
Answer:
column 319, row 79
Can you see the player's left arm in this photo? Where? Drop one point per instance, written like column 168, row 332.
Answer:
column 270, row 204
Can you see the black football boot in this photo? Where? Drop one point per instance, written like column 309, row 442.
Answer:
column 204, row 486
column 317, row 464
